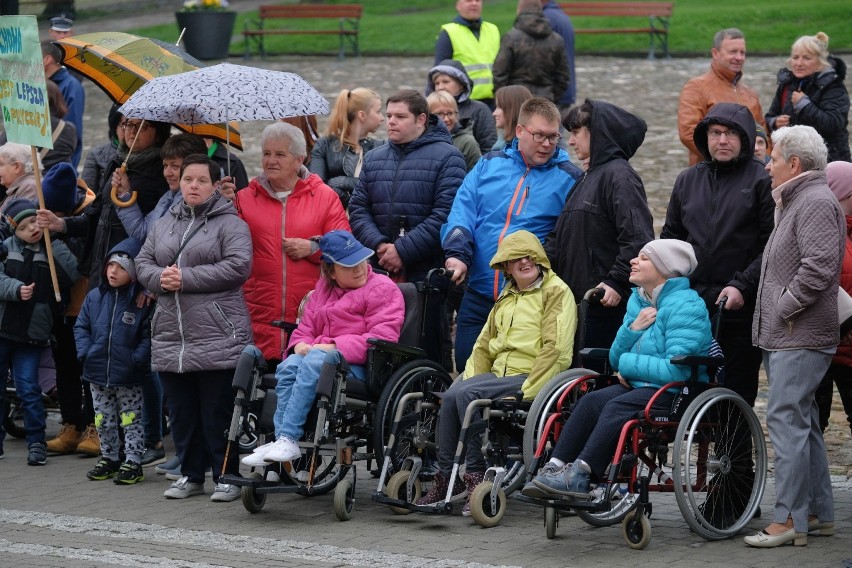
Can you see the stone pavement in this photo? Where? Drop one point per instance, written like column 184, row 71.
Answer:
column 52, row 516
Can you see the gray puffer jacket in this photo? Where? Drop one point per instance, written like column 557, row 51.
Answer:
column 797, row 297
column 205, row 325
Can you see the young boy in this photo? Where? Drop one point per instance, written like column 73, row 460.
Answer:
column 27, row 309
column 114, row 346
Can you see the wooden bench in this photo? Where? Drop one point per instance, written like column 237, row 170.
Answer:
column 658, row 14
column 348, row 16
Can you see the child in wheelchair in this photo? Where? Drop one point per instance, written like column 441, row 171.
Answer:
column 664, row 318
column 527, row 339
column 350, row 304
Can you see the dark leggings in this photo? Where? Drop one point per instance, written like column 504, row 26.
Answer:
column 75, row 397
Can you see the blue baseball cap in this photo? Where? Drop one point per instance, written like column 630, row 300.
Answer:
column 340, row 247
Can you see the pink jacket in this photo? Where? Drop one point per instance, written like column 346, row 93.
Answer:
column 348, row 318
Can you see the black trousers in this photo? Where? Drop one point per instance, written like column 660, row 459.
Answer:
column 200, row 407
column 75, row 397
column 840, row 375
column 742, row 359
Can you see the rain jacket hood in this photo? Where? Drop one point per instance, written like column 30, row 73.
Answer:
column 534, row 23
column 517, row 245
column 734, row 116
column 615, row 133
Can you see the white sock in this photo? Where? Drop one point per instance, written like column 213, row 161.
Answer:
column 557, row 462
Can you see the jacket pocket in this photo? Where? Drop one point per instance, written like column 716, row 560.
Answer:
column 223, row 321
column 788, row 307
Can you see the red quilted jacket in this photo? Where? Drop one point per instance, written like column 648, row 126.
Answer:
column 844, row 352
column 278, row 283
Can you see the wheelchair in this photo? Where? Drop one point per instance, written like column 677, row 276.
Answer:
column 350, row 420
column 718, row 466
column 502, row 433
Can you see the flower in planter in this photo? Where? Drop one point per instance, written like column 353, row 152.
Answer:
column 205, row 5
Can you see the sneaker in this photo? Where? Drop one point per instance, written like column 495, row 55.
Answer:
column 550, row 470
column 105, row 469
column 438, row 491
column 471, row 480
column 66, row 441
column 255, row 459
column 183, row 488
column 283, row 450
column 153, row 455
column 37, row 454
column 303, row 475
column 170, row 464
column 90, row 443
column 574, row 481
column 129, row 473
column 225, row 492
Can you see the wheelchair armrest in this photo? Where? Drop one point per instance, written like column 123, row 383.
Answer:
column 697, row 360
column 595, row 352
column 397, row 348
column 288, row 326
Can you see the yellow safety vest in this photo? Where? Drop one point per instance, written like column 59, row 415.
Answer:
column 477, row 55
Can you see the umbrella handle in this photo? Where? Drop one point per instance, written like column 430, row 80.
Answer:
column 114, row 194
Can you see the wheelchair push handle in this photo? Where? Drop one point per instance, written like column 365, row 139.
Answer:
column 596, row 294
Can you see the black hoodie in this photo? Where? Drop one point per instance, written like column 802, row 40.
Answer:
column 725, row 210
column 484, row 129
column 606, row 219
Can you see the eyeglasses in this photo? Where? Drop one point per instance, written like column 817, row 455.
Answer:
column 716, row 134
column 445, row 114
column 134, row 126
column 540, row 137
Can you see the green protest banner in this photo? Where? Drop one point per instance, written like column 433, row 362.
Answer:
column 23, row 95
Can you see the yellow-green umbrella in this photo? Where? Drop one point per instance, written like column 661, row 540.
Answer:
column 120, row 63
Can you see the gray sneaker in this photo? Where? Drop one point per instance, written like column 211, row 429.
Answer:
column 170, row 464
column 37, row 454
column 573, row 481
column 225, row 492
column 153, row 455
column 183, row 488
column 550, row 470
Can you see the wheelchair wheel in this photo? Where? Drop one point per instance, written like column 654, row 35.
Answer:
column 636, row 529
column 482, row 511
column 252, row 500
column 326, row 475
column 13, row 417
column 544, row 405
column 249, row 436
column 344, row 500
column 397, row 488
column 720, row 464
column 551, row 521
column 411, row 377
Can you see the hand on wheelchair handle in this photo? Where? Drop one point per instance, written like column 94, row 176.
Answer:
column 730, row 298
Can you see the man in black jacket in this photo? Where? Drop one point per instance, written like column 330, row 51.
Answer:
column 723, row 206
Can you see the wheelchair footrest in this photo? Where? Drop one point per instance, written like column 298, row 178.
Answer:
column 439, row 508
column 238, row 481
column 565, row 503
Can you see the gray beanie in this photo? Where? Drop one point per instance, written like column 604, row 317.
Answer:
column 671, row 257
column 125, row 262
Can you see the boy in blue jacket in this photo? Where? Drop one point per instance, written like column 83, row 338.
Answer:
column 113, row 338
column 27, row 309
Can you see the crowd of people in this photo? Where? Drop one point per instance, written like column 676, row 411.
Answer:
column 167, row 269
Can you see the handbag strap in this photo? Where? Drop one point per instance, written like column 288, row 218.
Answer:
column 185, row 241
column 56, row 134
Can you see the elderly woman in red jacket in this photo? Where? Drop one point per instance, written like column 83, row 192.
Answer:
column 287, row 209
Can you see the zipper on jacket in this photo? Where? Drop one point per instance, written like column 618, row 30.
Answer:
column 389, row 234
column 224, row 317
column 177, row 298
column 109, row 335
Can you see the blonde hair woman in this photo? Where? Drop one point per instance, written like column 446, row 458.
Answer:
column 443, row 105
column 811, row 93
column 338, row 155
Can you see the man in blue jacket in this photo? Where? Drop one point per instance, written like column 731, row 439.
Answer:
column 406, row 190
column 523, row 186
column 561, row 24
column 71, row 89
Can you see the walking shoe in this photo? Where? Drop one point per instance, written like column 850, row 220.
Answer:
column 129, row 473
column 183, row 488
column 170, row 464
column 105, row 469
column 37, row 454
column 225, row 492
column 66, row 441
column 90, row 443
column 471, row 480
column 550, row 470
column 573, row 481
column 438, row 491
column 283, row 450
column 255, row 459
column 153, row 455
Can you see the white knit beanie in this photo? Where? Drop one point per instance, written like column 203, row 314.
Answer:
column 124, row 261
column 671, row 257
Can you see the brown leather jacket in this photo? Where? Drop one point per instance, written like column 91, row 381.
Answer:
column 717, row 85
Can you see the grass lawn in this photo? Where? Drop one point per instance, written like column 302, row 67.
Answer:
column 410, row 27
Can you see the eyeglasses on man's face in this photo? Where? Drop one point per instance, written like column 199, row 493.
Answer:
column 717, row 133
column 540, row 137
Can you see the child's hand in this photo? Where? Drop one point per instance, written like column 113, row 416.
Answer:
column 301, row 348
column 27, row 291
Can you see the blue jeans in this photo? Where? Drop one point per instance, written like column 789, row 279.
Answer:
column 297, row 379
column 152, row 409
column 473, row 313
column 23, row 359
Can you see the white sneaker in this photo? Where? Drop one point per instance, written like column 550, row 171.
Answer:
column 183, row 488
column 255, row 459
column 225, row 492
column 303, row 475
column 264, row 448
column 284, row 450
